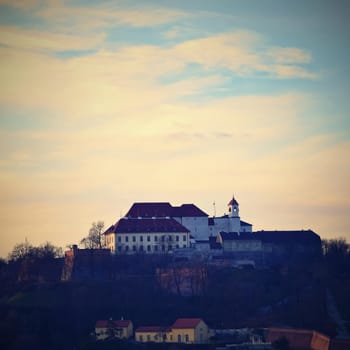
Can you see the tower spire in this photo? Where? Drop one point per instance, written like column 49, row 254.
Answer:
column 233, row 207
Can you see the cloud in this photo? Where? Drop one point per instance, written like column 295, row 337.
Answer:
column 286, row 55
column 20, row 4
column 123, row 124
column 109, row 15
column 241, row 53
column 38, row 40
column 107, row 82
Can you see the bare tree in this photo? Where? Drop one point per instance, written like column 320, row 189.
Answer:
column 95, row 238
column 20, row 251
column 25, row 250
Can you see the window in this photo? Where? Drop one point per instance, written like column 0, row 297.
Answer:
column 184, row 237
column 134, row 248
column 148, row 248
column 133, row 238
column 141, row 338
column 170, row 247
column 156, row 238
column 179, row 338
column 148, row 337
column 141, row 238
column 184, row 246
column 156, row 337
column 177, row 246
column 119, row 249
column 126, row 239
column 119, row 239
column 186, row 338
column 177, row 238
column 155, row 248
column 171, row 337
column 148, row 239
column 126, row 248
column 163, row 247
column 141, row 248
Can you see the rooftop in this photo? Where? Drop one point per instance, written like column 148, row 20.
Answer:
column 162, row 210
column 181, row 323
column 149, row 225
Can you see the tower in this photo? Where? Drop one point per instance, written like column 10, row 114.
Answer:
column 234, row 222
column 233, row 208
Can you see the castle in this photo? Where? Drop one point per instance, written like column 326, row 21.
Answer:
column 159, row 227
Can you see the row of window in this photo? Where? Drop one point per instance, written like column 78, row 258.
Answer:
column 148, row 248
column 155, row 238
column 163, row 337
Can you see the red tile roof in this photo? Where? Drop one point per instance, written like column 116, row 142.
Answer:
column 156, row 225
column 188, row 210
column 181, row 323
column 149, row 210
column 112, row 323
column 163, row 209
column 300, row 338
column 296, row 337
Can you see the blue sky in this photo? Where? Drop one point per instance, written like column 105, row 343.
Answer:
column 107, row 103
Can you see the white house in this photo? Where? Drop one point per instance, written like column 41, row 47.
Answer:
column 106, row 329
column 147, row 235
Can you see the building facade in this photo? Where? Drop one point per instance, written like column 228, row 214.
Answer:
column 160, row 227
column 146, row 235
column 184, row 330
column 107, row 329
column 268, row 248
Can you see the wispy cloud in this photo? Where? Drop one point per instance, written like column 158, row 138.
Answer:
column 39, row 40
column 109, row 15
column 286, row 55
column 20, row 4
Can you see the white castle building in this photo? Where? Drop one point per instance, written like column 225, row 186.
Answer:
column 159, row 227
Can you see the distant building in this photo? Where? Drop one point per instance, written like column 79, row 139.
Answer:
column 190, row 330
column 155, row 334
column 121, row 329
column 147, row 235
column 184, row 330
column 300, row 338
column 160, row 227
column 85, row 264
column 266, row 248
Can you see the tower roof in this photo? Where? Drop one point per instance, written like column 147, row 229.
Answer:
column 233, row 201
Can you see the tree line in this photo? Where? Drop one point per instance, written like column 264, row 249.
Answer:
column 336, row 251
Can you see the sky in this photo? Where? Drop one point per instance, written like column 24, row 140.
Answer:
column 103, row 104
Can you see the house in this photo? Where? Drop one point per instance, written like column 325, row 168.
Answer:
column 184, row 330
column 190, row 330
column 121, row 329
column 157, row 227
column 156, row 334
column 300, row 338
